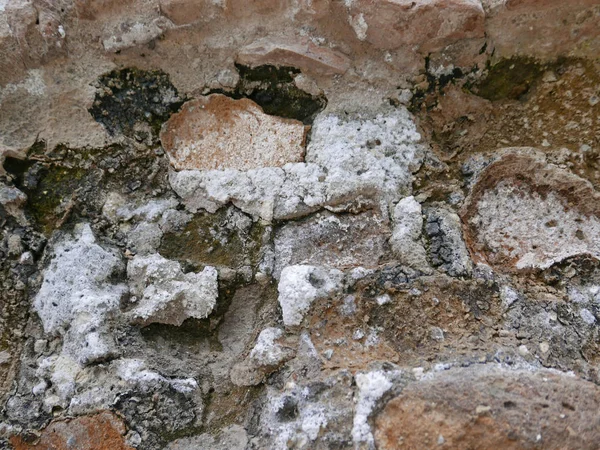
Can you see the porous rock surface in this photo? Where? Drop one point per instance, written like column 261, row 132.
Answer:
column 217, row 132
column 293, row 224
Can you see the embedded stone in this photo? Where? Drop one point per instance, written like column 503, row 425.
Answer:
column 526, row 213
column 268, row 354
column 490, row 407
column 447, row 249
column 218, row 132
column 301, row 285
column 543, row 28
column 429, row 25
column 353, row 164
column 103, row 431
column 303, row 54
column 13, row 201
column 406, row 239
column 77, row 296
column 167, row 295
column 343, row 242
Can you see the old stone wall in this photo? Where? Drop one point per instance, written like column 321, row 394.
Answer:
column 299, row 224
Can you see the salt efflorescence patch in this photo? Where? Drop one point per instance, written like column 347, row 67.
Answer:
column 534, row 231
column 167, row 295
column 371, row 387
column 301, row 285
column 350, row 163
column 77, row 296
column 266, row 351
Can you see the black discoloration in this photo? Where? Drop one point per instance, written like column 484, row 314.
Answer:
column 273, row 88
column 130, row 96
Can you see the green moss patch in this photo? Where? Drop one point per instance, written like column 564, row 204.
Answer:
column 212, row 239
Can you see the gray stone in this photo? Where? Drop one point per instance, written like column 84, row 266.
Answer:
column 167, row 295
column 77, row 296
column 447, row 249
column 343, row 241
column 144, row 238
column 406, row 240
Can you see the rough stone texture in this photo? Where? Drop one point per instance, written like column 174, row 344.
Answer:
column 446, row 246
column 352, row 164
column 266, row 357
column 97, row 432
column 342, row 242
column 303, row 54
column 12, row 200
column 406, row 236
column 76, row 297
column 371, row 387
column 428, row 25
column 526, row 213
column 391, row 242
column 164, row 294
column 300, row 285
column 543, row 29
column 233, row 437
column 492, row 408
column 217, row 132
column 300, row 414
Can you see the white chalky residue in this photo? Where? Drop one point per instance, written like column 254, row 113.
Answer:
column 347, row 161
column 313, row 419
column 383, row 299
column 406, row 236
column 538, row 232
column 576, row 296
column 76, row 296
column 313, row 415
column 508, row 296
column 363, row 156
column 371, row 387
column 61, row 371
column 134, row 371
column 359, row 25
column 130, row 374
column 299, row 286
column 266, row 351
column 166, row 294
column 587, row 316
column 151, row 210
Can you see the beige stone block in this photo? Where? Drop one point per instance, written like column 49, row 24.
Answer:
column 303, row 54
column 218, row 132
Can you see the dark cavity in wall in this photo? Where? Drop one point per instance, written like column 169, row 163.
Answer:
column 274, row 89
column 511, row 78
column 132, row 96
column 434, row 86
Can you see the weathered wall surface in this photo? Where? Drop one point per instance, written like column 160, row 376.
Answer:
column 310, row 224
